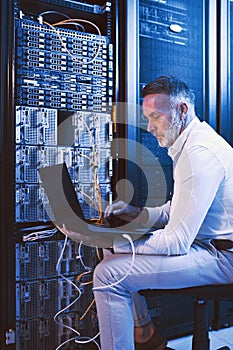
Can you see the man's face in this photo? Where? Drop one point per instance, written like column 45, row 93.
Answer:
column 160, row 116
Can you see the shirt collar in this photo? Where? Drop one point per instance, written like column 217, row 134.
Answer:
column 177, row 146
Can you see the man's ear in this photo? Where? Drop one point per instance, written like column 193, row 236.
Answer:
column 183, row 109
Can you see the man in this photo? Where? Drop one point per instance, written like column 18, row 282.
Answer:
column 195, row 247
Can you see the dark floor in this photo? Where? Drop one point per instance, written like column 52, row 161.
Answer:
column 218, row 339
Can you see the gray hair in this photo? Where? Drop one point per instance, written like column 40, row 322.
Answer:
column 170, row 86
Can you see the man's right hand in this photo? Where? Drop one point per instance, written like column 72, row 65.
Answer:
column 122, row 210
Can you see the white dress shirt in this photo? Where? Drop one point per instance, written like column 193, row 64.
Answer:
column 202, row 204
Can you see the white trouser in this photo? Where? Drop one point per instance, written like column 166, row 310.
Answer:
column 120, row 308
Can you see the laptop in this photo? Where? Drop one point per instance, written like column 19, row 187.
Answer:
column 67, row 211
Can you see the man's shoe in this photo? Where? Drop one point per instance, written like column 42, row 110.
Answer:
column 156, row 342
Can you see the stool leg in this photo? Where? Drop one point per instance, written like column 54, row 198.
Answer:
column 200, row 339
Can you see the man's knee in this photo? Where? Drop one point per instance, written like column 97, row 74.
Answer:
column 101, row 274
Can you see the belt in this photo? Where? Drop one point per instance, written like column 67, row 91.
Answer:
column 222, row 244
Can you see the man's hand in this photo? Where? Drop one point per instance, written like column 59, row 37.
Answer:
column 123, row 210
column 72, row 235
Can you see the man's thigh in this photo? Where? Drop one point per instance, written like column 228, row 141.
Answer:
column 200, row 266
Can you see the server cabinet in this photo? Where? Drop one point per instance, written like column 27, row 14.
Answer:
column 170, row 38
column 58, row 86
column 7, row 318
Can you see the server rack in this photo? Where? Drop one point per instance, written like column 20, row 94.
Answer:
column 169, row 40
column 58, row 87
column 7, row 318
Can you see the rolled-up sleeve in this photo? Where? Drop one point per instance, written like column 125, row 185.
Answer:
column 158, row 216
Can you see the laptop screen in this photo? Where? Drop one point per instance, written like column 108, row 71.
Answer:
column 62, row 197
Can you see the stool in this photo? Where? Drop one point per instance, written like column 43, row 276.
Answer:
column 200, row 340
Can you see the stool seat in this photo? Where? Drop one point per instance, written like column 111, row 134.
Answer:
column 207, row 292
column 201, row 294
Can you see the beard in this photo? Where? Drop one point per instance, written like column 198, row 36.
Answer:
column 173, row 130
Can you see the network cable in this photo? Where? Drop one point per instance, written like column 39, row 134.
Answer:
column 33, row 236
column 73, row 21
column 125, row 235
column 112, row 285
column 78, row 338
column 73, row 302
column 62, row 14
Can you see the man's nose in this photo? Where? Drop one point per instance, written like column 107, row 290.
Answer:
column 150, row 126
